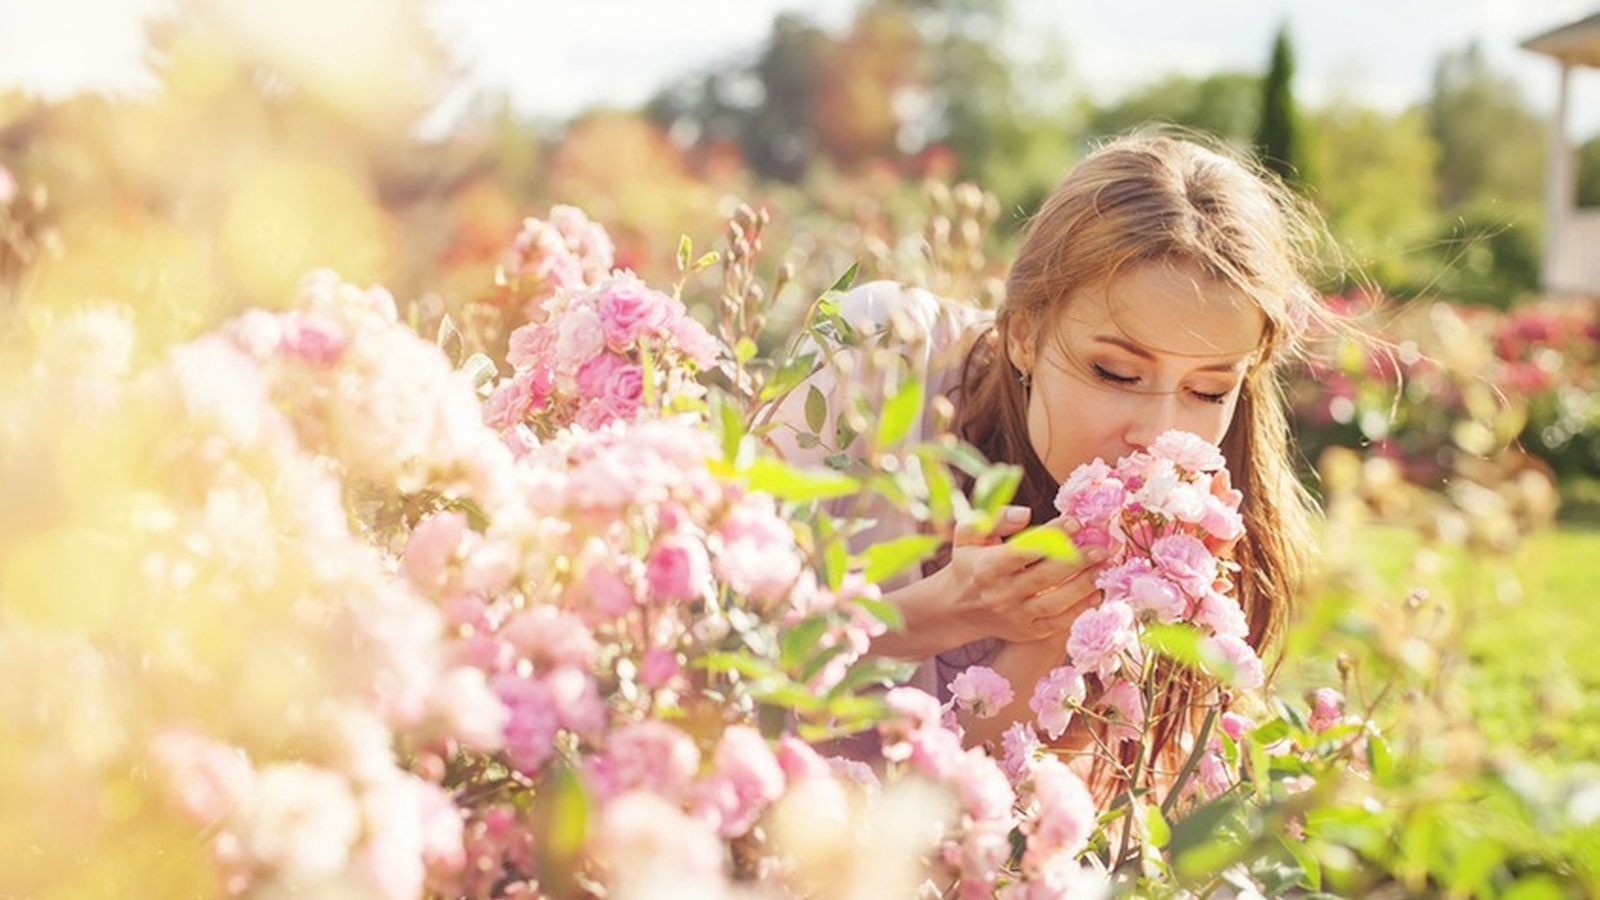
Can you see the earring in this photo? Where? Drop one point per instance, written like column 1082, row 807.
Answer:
column 1026, row 378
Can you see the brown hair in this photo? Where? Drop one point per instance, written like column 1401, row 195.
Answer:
column 1158, row 198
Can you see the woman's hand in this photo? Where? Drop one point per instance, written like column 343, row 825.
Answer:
column 1016, row 595
column 990, row 589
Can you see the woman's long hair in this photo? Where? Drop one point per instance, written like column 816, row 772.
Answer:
column 1153, row 198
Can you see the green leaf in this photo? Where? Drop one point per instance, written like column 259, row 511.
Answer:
column 685, row 250
column 479, row 369
column 709, row 258
column 883, row 611
column 732, row 427
column 786, row 694
column 745, row 350
column 816, row 409
column 449, row 338
column 796, row 644
column 1048, row 541
column 1155, row 826
column 722, row 662
column 800, row 485
column 563, row 819
column 872, row 670
column 796, row 370
column 844, row 281
column 1307, row 860
column 994, row 487
column 900, row 412
column 890, row 558
column 1181, row 643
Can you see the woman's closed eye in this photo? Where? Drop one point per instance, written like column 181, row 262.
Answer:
column 1110, row 377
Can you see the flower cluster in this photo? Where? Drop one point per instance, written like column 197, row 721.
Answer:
column 1166, row 518
column 565, row 251
column 598, row 354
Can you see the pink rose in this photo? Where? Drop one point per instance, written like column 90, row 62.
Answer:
column 1126, row 705
column 431, row 547
column 649, row 755
column 1327, row 709
column 532, row 346
column 1236, row 726
column 580, row 337
column 1100, row 636
column 611, row 388
column 693, row 341
column 1240, row 657
column 981, row 690
column 1021, row 750
column 1055, row 698
column 1065, row 815
column 1221, row 614
column 1184, row 559
column 677, row 569
column 744, row 781
column 313, row 337
column 629, row 310
column 1188, row 451
column 515, row 398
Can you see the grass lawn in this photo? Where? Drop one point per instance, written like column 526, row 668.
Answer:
column 1531, row 633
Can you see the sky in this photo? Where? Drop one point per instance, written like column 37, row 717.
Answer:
column 556, row 57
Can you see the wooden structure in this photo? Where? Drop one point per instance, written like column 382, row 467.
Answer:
column 1572, row 235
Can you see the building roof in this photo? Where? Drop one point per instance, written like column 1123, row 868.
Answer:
column 1577, row 43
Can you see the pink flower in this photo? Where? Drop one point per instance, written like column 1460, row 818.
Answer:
column 515, row 398
column 1221, row 614
column 744, row 781
column 1240, row 658
column 1236, row 726
column 1219, row 520
column 431, row 547
column 609, row 595
column 1212, row 774
column 1021, row 748
column 629, row 310
column 207, row 776
column 532, row 346
column 1126, row 705
column 313, row 337
column 757, row 555
column 298, row 822
column 1186, row 561
column 1055, row 698
column 579, row 338
column 1100, row 636
column 550, row 637
column 1327, row 709
column 678, row 569
column 585, row 239
column 610, row 388
column 649, row 755
column 693, row 341
column 1136, row 583
column 659, row 668
column 1064, row 814
column 1095, row 502
column 1188, row 451
column 530, row 729
column 982, row 691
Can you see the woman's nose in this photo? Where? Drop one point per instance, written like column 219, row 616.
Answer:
column 1156, row 415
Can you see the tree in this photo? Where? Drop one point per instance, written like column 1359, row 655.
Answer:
column 1276, row 141
column 1491, row 144
column 1224, row 105
column 1373, row 183
column 1589, row 172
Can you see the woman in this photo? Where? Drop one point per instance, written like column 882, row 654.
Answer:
column 1159, row 287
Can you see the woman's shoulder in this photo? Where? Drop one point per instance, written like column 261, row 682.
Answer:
column 910, row 315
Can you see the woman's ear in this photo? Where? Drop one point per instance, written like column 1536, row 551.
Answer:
column 1020, row 341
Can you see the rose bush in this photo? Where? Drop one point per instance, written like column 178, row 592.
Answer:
column 340, row 615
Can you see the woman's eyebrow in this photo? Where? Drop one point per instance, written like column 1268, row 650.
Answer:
column 1142, row 352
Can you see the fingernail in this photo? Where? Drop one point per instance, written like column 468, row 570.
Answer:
column 1095, row 554
column 1070, row 524
column 1016, row 515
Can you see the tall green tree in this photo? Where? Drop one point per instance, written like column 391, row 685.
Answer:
column 1276, row 140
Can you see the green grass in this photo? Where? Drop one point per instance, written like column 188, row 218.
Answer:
column 1527, row 628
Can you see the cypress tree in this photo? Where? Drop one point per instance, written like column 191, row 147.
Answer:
column 1276, row 143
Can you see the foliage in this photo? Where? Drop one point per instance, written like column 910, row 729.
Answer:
column 1277, row 131
column 1225, row 104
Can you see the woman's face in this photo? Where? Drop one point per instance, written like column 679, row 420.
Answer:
column 1158, row 347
